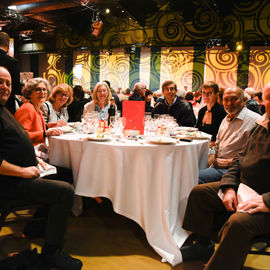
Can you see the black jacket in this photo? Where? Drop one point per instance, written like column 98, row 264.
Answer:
column 12, row 65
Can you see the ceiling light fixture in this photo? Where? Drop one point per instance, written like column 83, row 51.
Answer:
column 239, row 45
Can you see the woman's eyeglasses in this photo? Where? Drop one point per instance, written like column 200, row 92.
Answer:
column 39, row 90
column 64, row 95
column 101, row 91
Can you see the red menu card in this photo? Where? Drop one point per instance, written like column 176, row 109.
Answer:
column 133, row 112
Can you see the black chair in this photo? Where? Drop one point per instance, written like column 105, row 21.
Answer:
column 9, row 206
column 260, row 244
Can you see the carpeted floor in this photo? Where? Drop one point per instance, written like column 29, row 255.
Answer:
column 104, row 240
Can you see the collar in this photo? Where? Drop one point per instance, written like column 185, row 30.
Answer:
column 263, row 121
column 240, row 115
column 171, row 103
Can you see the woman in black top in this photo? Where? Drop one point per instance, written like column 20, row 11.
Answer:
column 211, row 115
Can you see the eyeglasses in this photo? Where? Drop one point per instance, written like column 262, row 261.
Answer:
column 171, row 89
column 39, row 90
column 64, row 95
column 208, row 94
column 102, row 91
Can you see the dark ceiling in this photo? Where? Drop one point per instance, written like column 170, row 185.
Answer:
column 41, row 18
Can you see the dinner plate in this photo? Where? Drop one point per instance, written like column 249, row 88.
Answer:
column 98, row 139
column 67, row 129
column 161, row 141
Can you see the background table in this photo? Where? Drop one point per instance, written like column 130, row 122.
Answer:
column 147, row 183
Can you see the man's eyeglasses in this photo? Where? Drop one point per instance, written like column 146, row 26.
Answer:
column 39, row 90
column 171, row 89
column 208, row 94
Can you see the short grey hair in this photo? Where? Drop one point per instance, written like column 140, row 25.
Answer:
column 32, row 84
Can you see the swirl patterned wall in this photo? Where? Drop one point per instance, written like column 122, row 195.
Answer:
column 185, row 65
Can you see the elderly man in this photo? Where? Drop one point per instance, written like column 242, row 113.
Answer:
column 241, row 222
column 232, row 135
column 138, row 92
column 175, row 106
column 19, row 180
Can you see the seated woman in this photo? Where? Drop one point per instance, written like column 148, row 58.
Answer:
column 54, row 110
column 101, row 101
column 29, row 114
column 211, row 115
column 75, row 109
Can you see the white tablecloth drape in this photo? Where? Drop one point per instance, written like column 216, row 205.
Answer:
column 147, row 183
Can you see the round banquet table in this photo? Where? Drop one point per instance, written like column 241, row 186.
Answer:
column 147, row 183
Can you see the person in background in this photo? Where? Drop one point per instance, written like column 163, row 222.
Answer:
column 122, row 96
column 30, row 115
column 175, row 106
column 75, row 109
column 149, row 101
column 211, row 115
column 197, row 96
column 127, row 92
column 114, row 94
column 54, row 110
column 12, row 66
column 19, row 180
column 232, row 135
column 238, row 222
column 101, row 101
column 138, row 92
column 189, row 98
column 220, row 95
column 258, row 98
column 251, row 103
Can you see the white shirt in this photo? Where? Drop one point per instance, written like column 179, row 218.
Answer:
column 232, row 135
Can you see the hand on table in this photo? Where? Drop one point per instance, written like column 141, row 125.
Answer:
column 54, row 132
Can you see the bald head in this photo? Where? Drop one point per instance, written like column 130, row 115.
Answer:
column 233, row 100
column 266, row 99
column 5, row 85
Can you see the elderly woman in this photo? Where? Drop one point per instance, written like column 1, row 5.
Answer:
column 101, row 101
column 54, row 110
column 211, row 115
column 29, row 114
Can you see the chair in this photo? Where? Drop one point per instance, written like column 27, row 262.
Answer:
column 9, row 206
column 260, row 244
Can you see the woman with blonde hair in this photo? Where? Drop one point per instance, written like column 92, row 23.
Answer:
column 55, row 109
column 100, row 101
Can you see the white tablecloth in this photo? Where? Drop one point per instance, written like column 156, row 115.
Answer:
column 147, row 183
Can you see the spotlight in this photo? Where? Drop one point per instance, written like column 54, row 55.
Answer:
column 107, row 11
column 239, row 46
column 169, row 49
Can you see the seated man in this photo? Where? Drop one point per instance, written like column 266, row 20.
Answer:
column 239, row 223
column 232, row 135
column 175, row 106
column 19, row 180
column 138, row 92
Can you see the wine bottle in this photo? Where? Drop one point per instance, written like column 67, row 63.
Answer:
column 111, row 110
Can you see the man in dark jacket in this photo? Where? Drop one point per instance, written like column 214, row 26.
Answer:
column 239, row 220
column 175, row 106
column 12, row 65
column 20, row 180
